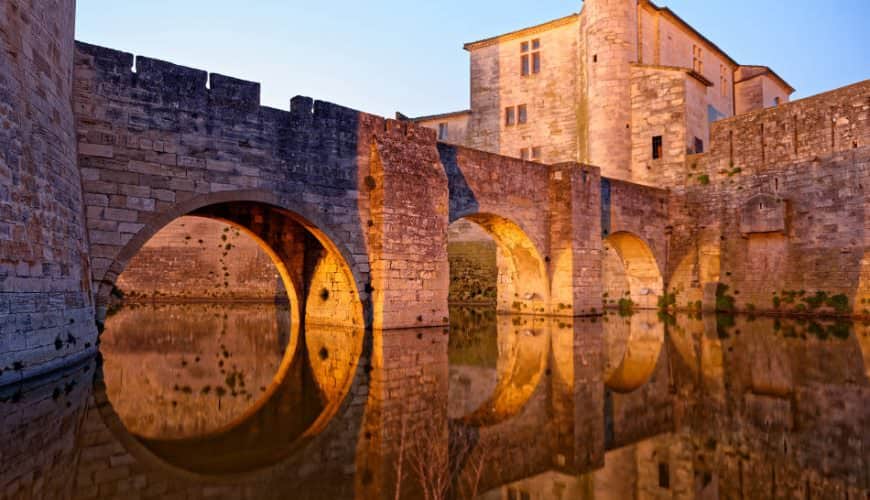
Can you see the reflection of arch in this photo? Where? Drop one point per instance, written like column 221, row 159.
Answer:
column 632, row 346
column 522, row 282
column 523, row 350
column 303, row 398
column 641, row 272
column 310, row 386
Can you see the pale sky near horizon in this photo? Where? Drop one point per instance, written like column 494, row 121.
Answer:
column 384, row 56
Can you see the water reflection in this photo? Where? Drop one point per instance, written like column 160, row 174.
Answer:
column 637, row 407
column 185, row 370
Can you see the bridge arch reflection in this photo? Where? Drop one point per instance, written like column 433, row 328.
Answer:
column 324, row 331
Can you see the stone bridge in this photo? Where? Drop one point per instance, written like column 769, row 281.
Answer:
column 352, row 207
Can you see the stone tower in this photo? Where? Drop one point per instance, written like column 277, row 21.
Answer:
column 46, row 308
column 609, row 37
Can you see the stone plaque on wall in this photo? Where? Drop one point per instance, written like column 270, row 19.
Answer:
column 763, row 213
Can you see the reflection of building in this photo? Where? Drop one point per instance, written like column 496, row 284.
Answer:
column 625, row 85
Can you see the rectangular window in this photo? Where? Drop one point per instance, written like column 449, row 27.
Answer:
column 723, row 81
column 536, row 153
column 442, row 131
column 697, row 59
column 657, row 147
column 664, row 475
column 509, row 116
column 699, row 146
column 522, row 114
column 530, row 59
column 524, row 153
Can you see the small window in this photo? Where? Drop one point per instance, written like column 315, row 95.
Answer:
column 697, row 59
column 536, row 153
column 530, row 59
column 595, row 58
column 723, row 80
column 522, row 114
column 442, row 131
column 510, row 116
column 657, row 147
column 776, row 101
column 699, row 146
column 664, row 475
column 524, row 153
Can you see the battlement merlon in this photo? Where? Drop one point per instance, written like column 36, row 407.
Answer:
column 185, row 88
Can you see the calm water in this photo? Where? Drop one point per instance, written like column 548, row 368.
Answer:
column 233, row 401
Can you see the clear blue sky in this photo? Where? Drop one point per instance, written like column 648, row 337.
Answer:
column 382, row 56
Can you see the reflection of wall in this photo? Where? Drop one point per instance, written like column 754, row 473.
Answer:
column 198, row 258
column 184, row 370
column 778, row 408
column 39, row 423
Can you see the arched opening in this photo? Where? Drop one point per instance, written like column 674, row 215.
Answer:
column 632, row 345
column 236, row 339
column 493, row 261
column 631, row 276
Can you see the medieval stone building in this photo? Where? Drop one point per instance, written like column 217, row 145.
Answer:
column 626, row 85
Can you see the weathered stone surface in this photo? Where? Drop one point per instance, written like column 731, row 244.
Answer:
column 44, row 268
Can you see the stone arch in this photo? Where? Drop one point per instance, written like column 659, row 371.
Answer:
column 219, row 206
column 522, row 278
column 632, row 347
column 321, row 280
column 630, row 271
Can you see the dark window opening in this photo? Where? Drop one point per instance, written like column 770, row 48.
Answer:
column 664, row 475
column 509, row 116
column 442, row 131
column 536, row 153
column 522, row 114
column 699, row 146
column 524, row 153
column 657, row 147
column 530, row 57
column 595, row 58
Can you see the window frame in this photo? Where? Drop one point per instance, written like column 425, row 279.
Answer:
column 697, row 59
column 522, row 114
column 510, row 116
column 530, row 57
column 658, row 147
column 443, row 130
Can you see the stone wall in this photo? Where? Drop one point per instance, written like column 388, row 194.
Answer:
column 193, row 258
column 550, row 95
column 156, row 144
column 46, row 310
column 776, row 209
